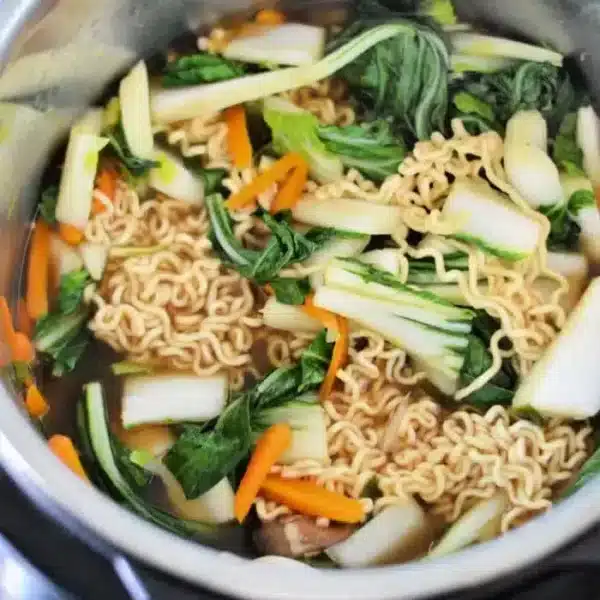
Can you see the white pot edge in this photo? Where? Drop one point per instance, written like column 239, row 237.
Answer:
column 26, row 457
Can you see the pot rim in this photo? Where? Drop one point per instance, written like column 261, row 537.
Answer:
column 27, row 459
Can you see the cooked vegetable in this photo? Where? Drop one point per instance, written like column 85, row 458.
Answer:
column 295, row 130
column 126, row 367
column 349, row 215
column 288, row 317
column 190, row 398
column 396, row 534
column 370, row 147
column 308, row 498
column 262, row 182
column 134, row 99
column 583, row 211
column 326, row 318
column 21, row 347
column 471, row 526
column 588, row 139
column 63, row 448
column 283, row 44
column 527, row 127
column 200, row 68
column 47, row 204
column 36, row 404
column 238, row 140
column 269, row 448
column 174, row 179
column 77, row 181
column 338, row 358
column 589, row 471
column 386, row 259
column 37, row 272
column 269, row 16
column 487, row 45
column 566, row 153
column 566, row 365
column 488, row 220
column 309, row 435
column 63, row 258
column 24, row 322
column 134, row 166
column 94, row 258
column 463, row 63
column 154, row 439
column 117, row 469
column 106, row 181
column 185, row 103
column 91, row 122
column 203, row 456
column 70, row 234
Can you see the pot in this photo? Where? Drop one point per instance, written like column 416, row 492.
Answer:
column 60, row 55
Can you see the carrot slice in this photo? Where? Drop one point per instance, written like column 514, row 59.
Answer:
column 23, row 321
column 309, row 498
column 35, row 402
column 238, row 138
column 70, row 234
column 326, row 317
column 270, row 446
column 262, row 182
column 37, row 274
column 21, row 348
column 106, row 182
column 338, row 359
column 269, row 16
column 6, row 323
column 291, row 191
column 63, row 448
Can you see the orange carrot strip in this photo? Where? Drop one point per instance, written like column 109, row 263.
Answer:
column 264, row 181
column 338, row 359
column 106, row 182
column 238, row 139
column 97, row 206
column 269, row 16
column 597, row 194
column 23, row 321
column 309, row 498
column 270, row 446
column 326, row 317
column 36, row 403
column 70, row 234
column 37, row 274
column 63, row 448
column 6, row 323
column 291, row 191
column 21, row 348
column 268, row 288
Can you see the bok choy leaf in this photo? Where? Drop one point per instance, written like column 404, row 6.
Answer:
column 200, row 68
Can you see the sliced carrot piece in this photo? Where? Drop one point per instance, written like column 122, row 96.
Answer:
column 36, row 298
column 262, row 182
column 338, row 359
column 269, row 16
column 238, row 138
column 291, row 191
column 63, row 448
column 70, row 234
column 326, row 317
column 106, row 182
column 309, row 498
column 21, row 348
column 23, row 321
column 35, row 402
column 269, row 448
column 6, row 323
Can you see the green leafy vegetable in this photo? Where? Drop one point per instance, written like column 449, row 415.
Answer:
column 588, row 472
column 117, row 145
column 370, row 147
column 201, row 457
column 137, row 477
column 441, row 11
column 72, row 286
column 404, row 77
column 285, row 247
column 48, row 204
column 525, row 86
column 478, row 359
column 579, row 200
column 564, row 232
column 565, row 152
column 469, row 104
column 200, row 68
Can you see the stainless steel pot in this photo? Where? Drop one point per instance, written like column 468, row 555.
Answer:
column 58, row 56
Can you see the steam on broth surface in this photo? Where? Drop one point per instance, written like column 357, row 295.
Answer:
column 325, row 289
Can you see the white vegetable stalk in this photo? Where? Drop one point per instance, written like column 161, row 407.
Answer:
column 288, row 317
column 92, row 122
column 285, row 44
column 472, row 526
column 185, row 103
column 588, row 139
column 63, row 257
column 398, row 533
column 527, row 127
column 175, row 180
column 172, row 398
column 155, row 439
column 487, row 219
column 487, row 45
column 386, row 259
column 462, row 63
column 134, row 98
column 347, row 214
column 565, row 382
column 77, row 181
column 94, row 258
